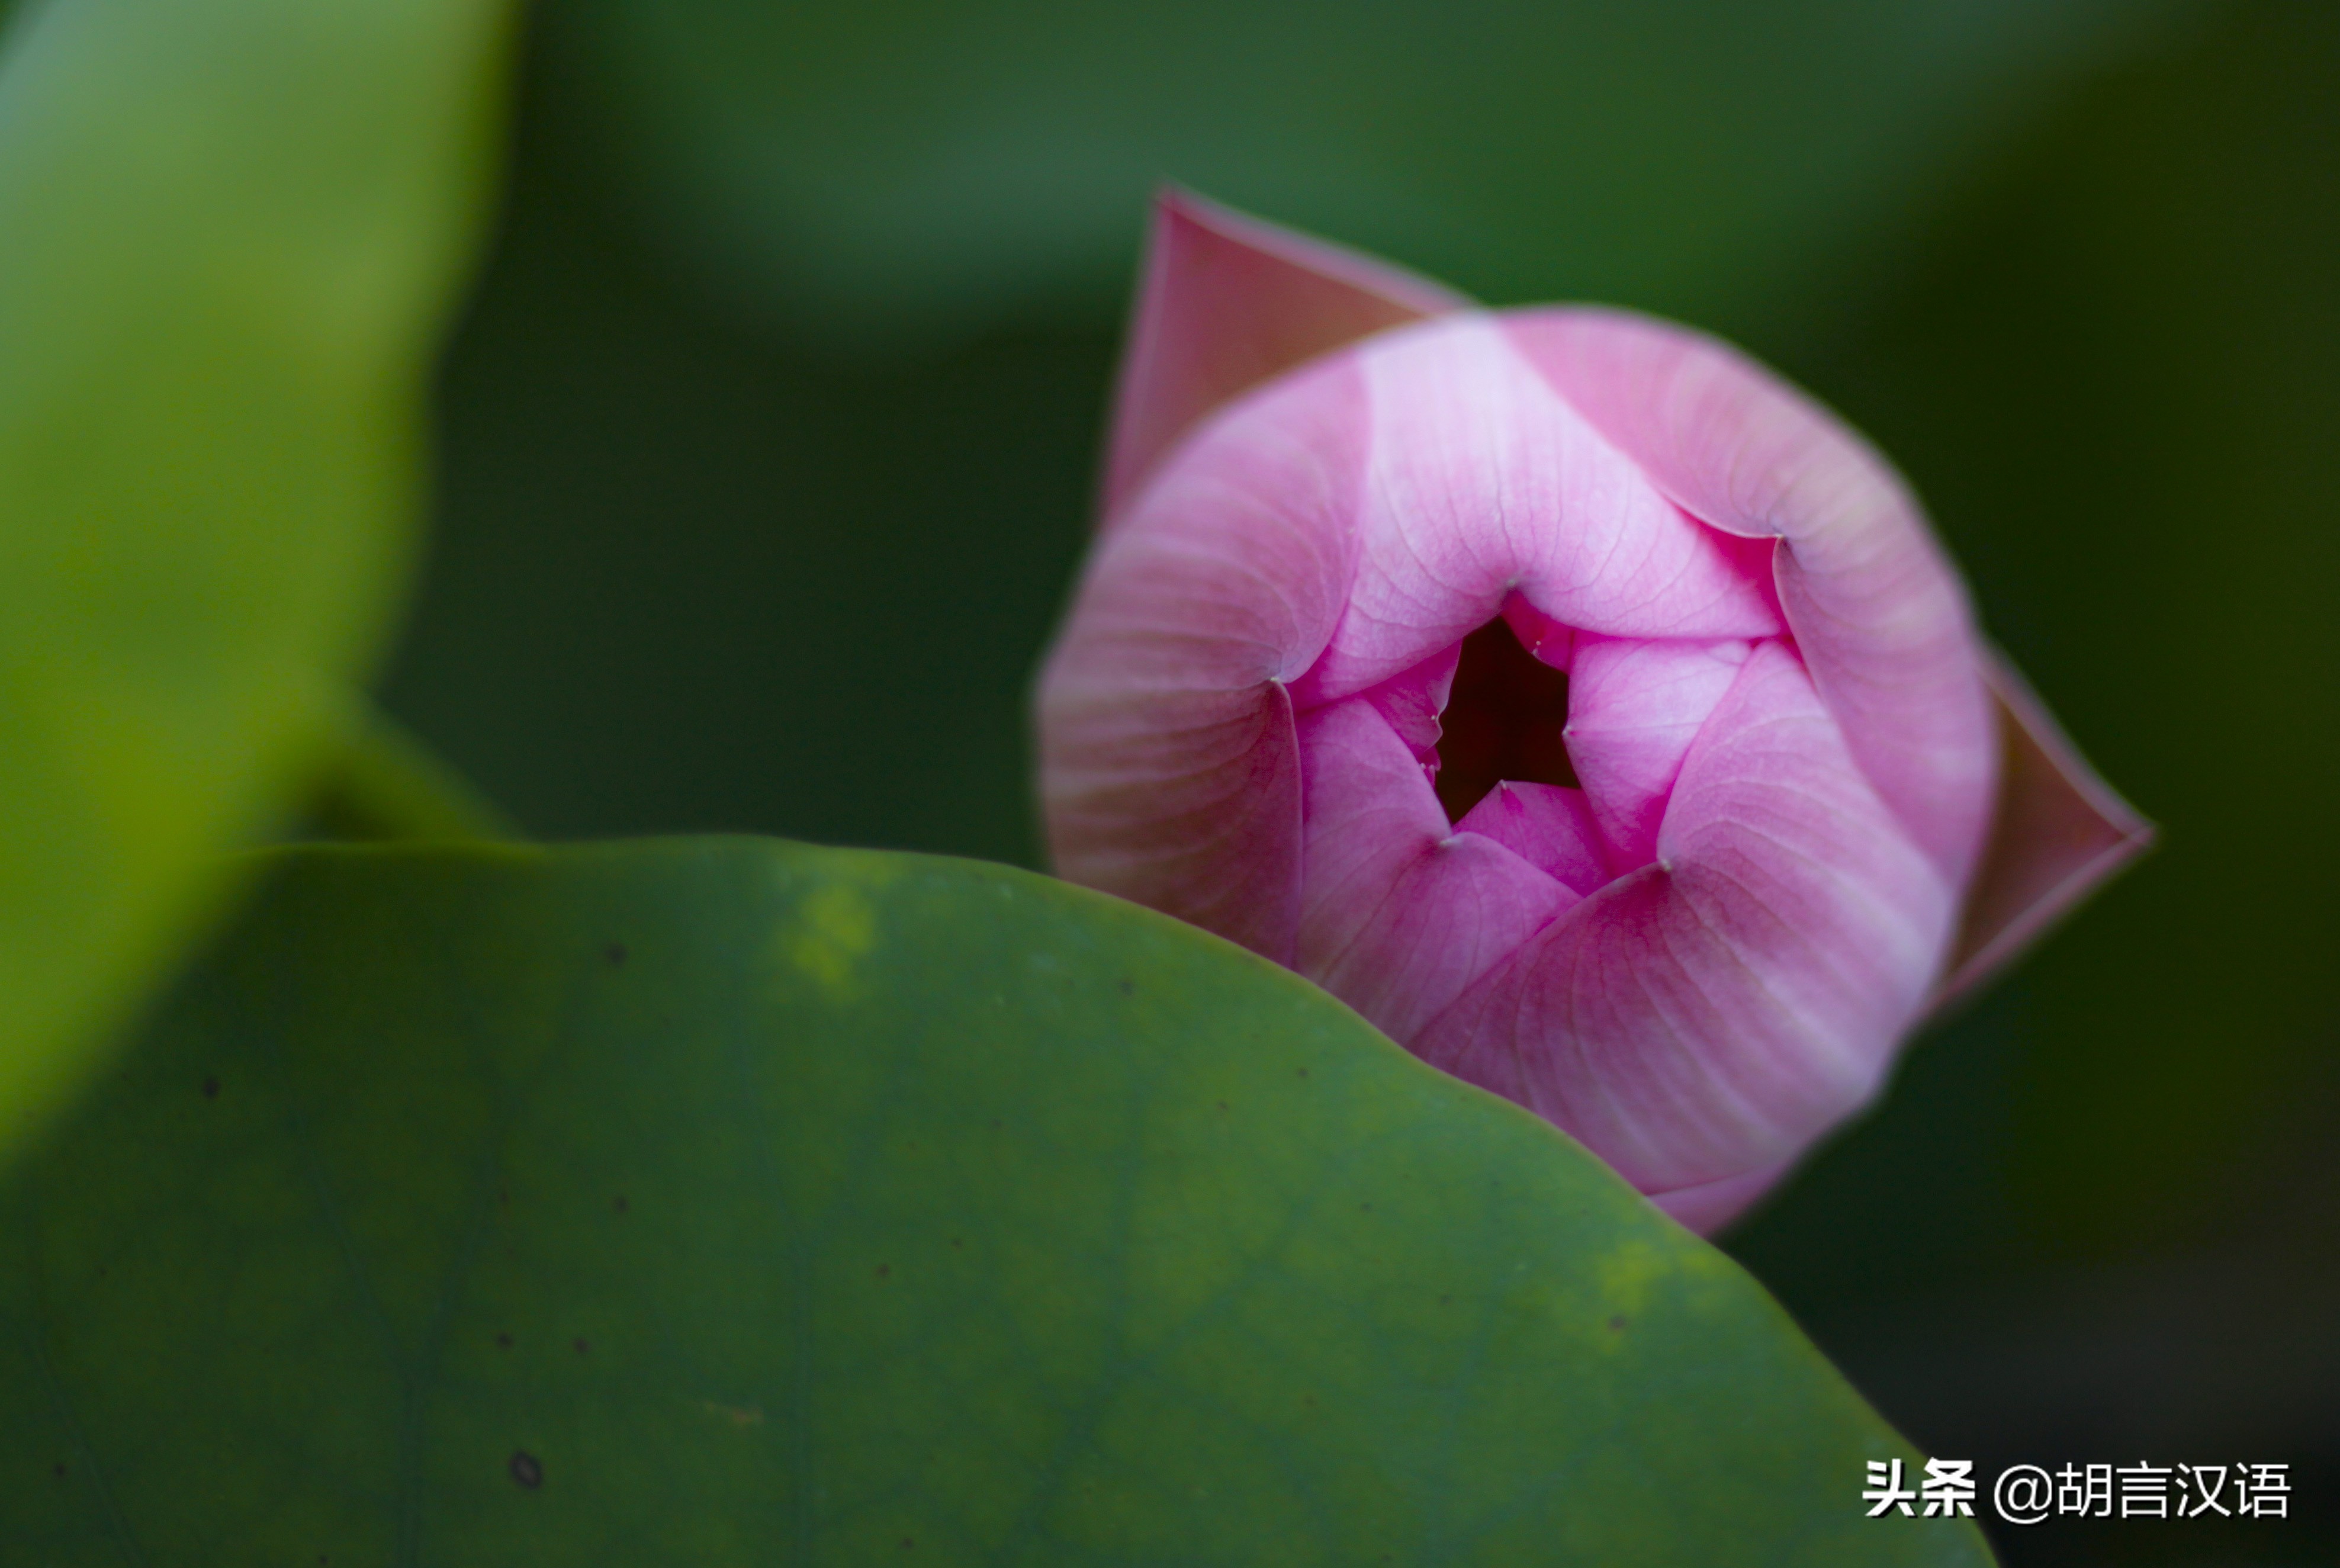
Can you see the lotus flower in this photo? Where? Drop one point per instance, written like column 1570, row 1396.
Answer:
column 1582, row 704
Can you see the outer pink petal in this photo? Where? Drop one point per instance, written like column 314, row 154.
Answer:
column 1878, row 612
column 1708, row 1016
column 1546, row 825
column 1169, row 772
column 2060, row 830
column 1228, row 302
column 1633, row 710
column 1399, row 915
column 1481, row 481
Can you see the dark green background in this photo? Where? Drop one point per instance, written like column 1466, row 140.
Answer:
column 758, row 504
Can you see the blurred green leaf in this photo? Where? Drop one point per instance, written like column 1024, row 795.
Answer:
column 230, row 233
column 727, row 1201
column 898, row 167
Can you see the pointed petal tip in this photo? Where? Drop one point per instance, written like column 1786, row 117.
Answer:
column 1189, row 210
column 1227, row 301
column 2058, row 832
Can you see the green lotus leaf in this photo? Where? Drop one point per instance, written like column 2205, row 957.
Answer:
column 228, row 235
column 734, row 1201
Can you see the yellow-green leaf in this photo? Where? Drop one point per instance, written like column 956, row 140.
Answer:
column 229, row 232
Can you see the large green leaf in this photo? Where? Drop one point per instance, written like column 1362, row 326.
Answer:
column 228, row 231
column 731, row 1201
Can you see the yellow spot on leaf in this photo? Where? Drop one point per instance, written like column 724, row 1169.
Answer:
column 1627, row 1273
column 834, row 927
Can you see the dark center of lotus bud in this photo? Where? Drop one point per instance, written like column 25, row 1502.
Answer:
column 1502, row 722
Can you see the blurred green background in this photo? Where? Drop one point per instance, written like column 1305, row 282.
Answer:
column 768, row 443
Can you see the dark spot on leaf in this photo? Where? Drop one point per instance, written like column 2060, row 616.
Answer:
column 503, row 1341
column 995, row 1124
column 210, row 1088
column 1366, row 1208
column 61, row 1472
column 1223, row 1104
column 956, row 1241
column 1303, row 1072
column 1309, row 1400
column 526, row 1470
column 1444, row 1299
column 1616, row 1323
column 503, row 1198
column 619, row 1203
column 883, row 1269
column 581, row 1345
column 1124, row 987
column 908, row 1543
column 615, row 953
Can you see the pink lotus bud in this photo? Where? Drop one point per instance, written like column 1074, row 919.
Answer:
column 1585, row 707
